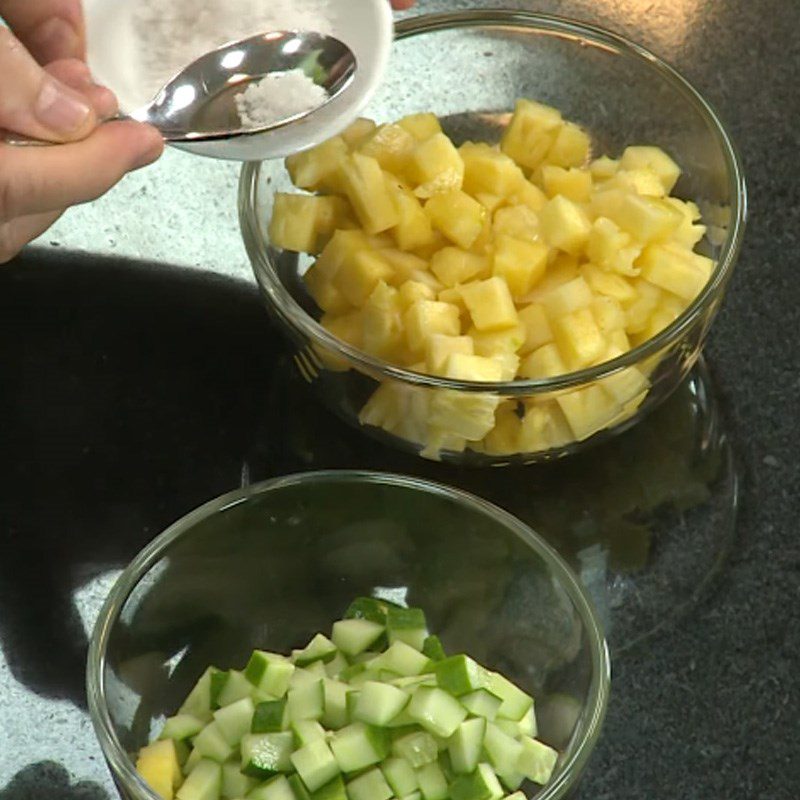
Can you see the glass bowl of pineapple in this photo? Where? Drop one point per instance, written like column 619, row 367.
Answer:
column 517, row 252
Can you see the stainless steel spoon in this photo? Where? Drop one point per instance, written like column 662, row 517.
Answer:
column 199, row 103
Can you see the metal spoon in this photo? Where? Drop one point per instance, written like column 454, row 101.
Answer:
column 198, row 104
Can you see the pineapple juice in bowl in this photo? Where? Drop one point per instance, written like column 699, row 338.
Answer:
column 536, row 399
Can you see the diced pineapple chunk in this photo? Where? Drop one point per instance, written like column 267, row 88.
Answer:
column 639, row 311
column 646, row 219
column 611, row 248
column 390, row 146
column 343, row 248
column 325, row 294
column 588, row 410
column 608, row 314
column 608, row 283
column 562, row 269
column 655, row 159
column 400, row 409
column 490, row 304
column 520, row 263
column 383, row 325
column 440, row 347
column 365, row 185
column 571, row 147
column 413, row 229
column 411, row 291
column 639, row 181
column 529, row 195
column 463, row 367
column 452, row 265
column 425, row 317
column 357, row 279
column 466, row 414
column 603, row 168
column 690, row 231
column 453, row 295
column 347, row 327
column 490, row 171
column 158, row 766
column 303, row 223
column 358, row 131
column 490, row 202
column 503, row 439
column 568, row 297
column 405, row 266
column 564, row 225
column 618, row 339
column 533, row 317
column 543, row 427
column 531, row 133
column 435, row 166
column 315, row 169
column 544, row 362
column 579, row 339
column 521, row 222
column 457, row 216
column 625, row 385
column 574, row 184
column 421, row 126
column 494, row 343
column 509, row 364
column 675, row 269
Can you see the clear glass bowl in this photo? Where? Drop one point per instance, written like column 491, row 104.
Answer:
column 270, row 565
column 469, row 68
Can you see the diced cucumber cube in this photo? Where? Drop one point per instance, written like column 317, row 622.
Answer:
column 527, row 725
column 401, row 720
column 515, row 796
column 198, row 702
column 407, row 625
column 306, row 702
column 481, row 703
column 367, row 675
column 336, row 665
column 269, row 717
column 354, row 636
column 511, row 780
column 211, row 744
column 302, row 677
column 235, row 720
column 536, row 760
column 465, row 745
column 351, row 701
column 367, row 608
column 460, row 675
column 369, row 786
column 413, row 681
column 320, row 648
column 403, row 659
column 400, row 775
column 437, row 711
column 418, row 748
column 315, row 764
column 195, row 757
column 358, row 746
column 264, row 754
column 182, row 750
column 413, row 796
column 515, row 702
column 269, row 672
column 503, row 750
column 181, row 727
column 335, row 714
column 365, row 657
column 204, row 782
column 298, row 788
column 306, row 731
column 219, row 680
column 433, row 649
column 316, row 668
column 236, row 688
column 334, row 790
column 378, row 703
column 479, row 785
column 432, row 782
column 234, row 783
column 276, row 788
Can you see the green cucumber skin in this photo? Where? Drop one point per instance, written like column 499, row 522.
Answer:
column 433, row 648
column 269, row 716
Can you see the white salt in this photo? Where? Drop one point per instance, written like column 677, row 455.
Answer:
column 277, row 97
column 172, row 33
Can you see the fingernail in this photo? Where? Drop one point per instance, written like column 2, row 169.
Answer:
column 55, row 39
column 106, row 105
column 60, row 109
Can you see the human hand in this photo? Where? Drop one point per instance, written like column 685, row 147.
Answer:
column 59, row 103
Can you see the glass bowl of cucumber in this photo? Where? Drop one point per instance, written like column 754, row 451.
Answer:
column 347, row 635
column 501, row 305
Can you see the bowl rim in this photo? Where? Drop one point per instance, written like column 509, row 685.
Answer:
column 122, row 766
column 300, row 321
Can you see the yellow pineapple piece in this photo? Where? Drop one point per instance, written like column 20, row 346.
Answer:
column 405, row 266
column 343, row 247
column 531, row 133
column 509, row 364
column 159, row 768
column 494, row 343
column 435, row 167
column 574, row 184
column 518, row 221
column 425, row 317
column 390, row 146
column 611, row 248
column 571, row 147
column 637, row 313
column 325, row 294
column 522, row 264
column 437, row 242
column 608, row 283
column 543, row 427
column 304, row 223
column 503, row 439
column 529, row 195
column 661, row 318
column 383, row 324
column 562, row 268
column 463, row 367
column 568, row 297
column 654, row 159
column 691, row 230
column 619, row 340
column 580, row 341
column 421, row 126
column 457, row 216
column 411, row 291
column 413, row 229
column 487, row 170
column 608, row 314
column 483, row 244
column 640, row 181
column 533, row 318
column 428, row 278
column 366, row 187
column 452, row 265
column 358, row 131
column 603, row 168
column 490, row 202
column 564, row 225
column 315, row 169
column 400, row 409
column 544, row 362
column 675, row 269
column 347, row 327
column 440, row 346
column 646, row 219
column 439, row 440
column 464, row 414
column 490, row 304
column 627, row 384
column 357, row 279
column 588, row 410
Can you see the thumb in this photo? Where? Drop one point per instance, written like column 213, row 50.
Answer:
column 34, row 103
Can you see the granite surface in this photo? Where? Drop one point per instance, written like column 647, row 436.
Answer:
column 707, row 709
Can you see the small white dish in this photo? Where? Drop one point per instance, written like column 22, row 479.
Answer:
column 365, row 26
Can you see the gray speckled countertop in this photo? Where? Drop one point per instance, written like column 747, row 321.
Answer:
column 717, row 700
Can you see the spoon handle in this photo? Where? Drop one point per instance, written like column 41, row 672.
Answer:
column 18, row 140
